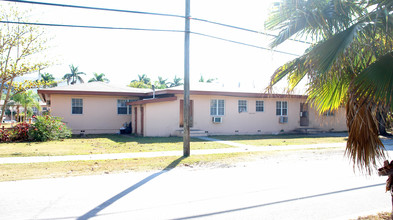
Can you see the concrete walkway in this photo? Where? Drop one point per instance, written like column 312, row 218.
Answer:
column 237, row 148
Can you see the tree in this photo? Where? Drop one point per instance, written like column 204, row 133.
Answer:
column 161, row 83
column 99, row 78
column 28, row 100
column 21, row 50
column 176, row 82
column 210, row 80
column 350, row 63
column 49, row 79
column 74, row 76
column 142, row 82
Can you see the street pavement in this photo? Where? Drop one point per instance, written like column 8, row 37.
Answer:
column 302, row 184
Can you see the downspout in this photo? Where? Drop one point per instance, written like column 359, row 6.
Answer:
column 154, row 91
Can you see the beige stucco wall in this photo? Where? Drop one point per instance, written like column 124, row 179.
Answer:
column 162, row 119
column 99, row 113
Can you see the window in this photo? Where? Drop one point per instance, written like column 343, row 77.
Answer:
column 217, row 107
column 328, row 113
column 242, row 105
column 122, row 108
column 259, row 106
column 77, row 106
column 281, row 108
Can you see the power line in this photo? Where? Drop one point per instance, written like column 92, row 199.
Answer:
column 144, row 29
column 245, row 44
column 93, row 8
column 151, row 13
column 89, row 26
column 245, row 29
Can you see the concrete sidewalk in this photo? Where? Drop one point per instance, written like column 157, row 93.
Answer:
column 237, row 148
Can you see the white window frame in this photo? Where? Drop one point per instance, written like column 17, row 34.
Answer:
column 119, row 105
column 260, row 106
column 242, row 106
column 281, row 109
column 75, row 104
column 215, row 107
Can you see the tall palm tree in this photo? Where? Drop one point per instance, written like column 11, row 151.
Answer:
column 161, row 83
column 176, row 82
column 350, row 63
column 74, row 76
column 99, row 78
column 142, row 82
column 27, row 99
column 48, row 78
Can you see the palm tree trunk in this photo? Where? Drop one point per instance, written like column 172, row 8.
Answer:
column 381, row 117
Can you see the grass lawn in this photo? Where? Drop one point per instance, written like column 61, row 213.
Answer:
column 11, row 172
column 112, row 143
column 284, row 139
column 102, row 144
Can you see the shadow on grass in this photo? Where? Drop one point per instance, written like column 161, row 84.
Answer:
column 93, row 213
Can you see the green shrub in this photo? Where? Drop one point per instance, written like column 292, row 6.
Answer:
column 48, row 128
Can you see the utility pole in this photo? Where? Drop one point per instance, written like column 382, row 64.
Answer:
column 186, row 107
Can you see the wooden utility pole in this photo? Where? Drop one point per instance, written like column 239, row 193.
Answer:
column 186, row 108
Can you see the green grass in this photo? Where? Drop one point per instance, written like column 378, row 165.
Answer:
column 101, row 144
column 104, row 144
column 283, row 139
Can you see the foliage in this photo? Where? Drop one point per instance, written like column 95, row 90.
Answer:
column 48, row 128
column 28, row 100
column 48, row 79
column 142, row 82
column 348, row 64
column 99, row 78
column 74, row 76
column 176, row 82
column 210, row 80
column 18, row 133
column 161, row 83
column 20, row 52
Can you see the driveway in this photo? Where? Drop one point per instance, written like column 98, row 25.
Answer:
column 302, row 184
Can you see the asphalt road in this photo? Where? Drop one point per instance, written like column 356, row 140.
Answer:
column 309, row 184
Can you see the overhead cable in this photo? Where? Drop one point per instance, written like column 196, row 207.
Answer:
column 143, row 29
column 151, row 13
column 94, row 8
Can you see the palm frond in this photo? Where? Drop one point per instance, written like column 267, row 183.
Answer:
column 376, row 81
column 329, row 94
column 364, row 147
column 325, row 54
column 295, row 69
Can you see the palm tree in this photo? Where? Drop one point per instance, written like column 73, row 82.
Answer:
column 350, row 63
column 210, row 80
column 48, row 78
column 142, row 82
column 74, row 76
column 99, row 78
column 161, row 83
column 28, row 100
column 176, row 82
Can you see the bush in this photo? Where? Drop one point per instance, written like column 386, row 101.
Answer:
column 48, row 128
column 18, row 133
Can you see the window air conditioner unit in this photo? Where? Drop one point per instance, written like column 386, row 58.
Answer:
column 217, row 119
column 283, row 119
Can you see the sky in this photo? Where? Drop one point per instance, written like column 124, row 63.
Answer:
column 123, row 55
